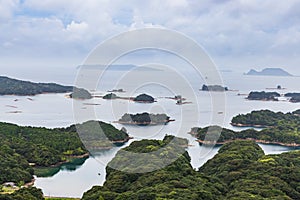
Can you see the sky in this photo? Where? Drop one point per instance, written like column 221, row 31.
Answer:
column 236, row 34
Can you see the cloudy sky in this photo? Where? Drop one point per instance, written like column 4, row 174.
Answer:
column 237, row 34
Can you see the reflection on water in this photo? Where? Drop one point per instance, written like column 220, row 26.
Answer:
column 72, row 165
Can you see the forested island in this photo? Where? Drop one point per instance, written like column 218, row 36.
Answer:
column 216, row 88
column 266, row 118
column 263, row 96
column 97, row 135
column 269, row 72
column 144, row 119
column 273, row 96
column 294, row 97
column 9, row 86
column 110, row 96
column 240, row 170
column 144, row 98
column 279, row 128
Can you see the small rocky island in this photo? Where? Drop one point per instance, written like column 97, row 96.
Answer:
column 269, row 72
column 9, row 86
column 144, row 98
column 263, row 96
column 144, row 119
column 80, row 93
column 110, row 96
column 215, row 88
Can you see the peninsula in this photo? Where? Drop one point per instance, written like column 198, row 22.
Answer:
column 9, row 86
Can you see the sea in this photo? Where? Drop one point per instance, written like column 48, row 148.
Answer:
column 201, row 109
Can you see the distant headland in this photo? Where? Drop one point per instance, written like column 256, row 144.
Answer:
column 10, row 86
column 269, row 72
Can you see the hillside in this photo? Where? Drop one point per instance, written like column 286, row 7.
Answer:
column 9, row 86
column 21, row 148
column 239, row 171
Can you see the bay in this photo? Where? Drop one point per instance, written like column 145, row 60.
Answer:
column 56, row 110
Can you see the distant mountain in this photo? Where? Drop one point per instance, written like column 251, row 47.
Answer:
column 9, row 86
column 269, row 72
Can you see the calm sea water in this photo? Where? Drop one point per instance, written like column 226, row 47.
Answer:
column 55, row 110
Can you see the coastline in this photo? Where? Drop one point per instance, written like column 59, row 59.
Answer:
column 248, row 139
column 250, row 125
column 144, row 123
column 86, row 155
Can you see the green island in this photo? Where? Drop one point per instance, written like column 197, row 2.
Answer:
column 9, row 86
column 239, row 171
column 144, row 98
column 110, row 96
column 80, row 93
column 266, row 118
column 28, row 151
column 278, row 128
column 294, row 97
column 216, row 88
column 97, row 135
column 144, row 119
column 263, row 96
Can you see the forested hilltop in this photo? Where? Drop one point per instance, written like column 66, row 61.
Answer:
column 267, row 118
column 9, row 86
column 239, row 171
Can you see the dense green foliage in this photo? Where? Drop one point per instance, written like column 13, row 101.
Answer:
column 42, row 147
column 249, row 174
column 30, row 193
column 20, row 146
column 98, row 135
column 144, row 98
column 266, row 96
column 297, row 112
column 13, row 167
column 239, row 171
column 175, row 181
column 9, row 86
column 267, row 118
column 144, row 118
column 217, row 88
column 283, row 135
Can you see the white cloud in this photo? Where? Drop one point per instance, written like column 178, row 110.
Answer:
column 7, row 8
column 224, row 27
